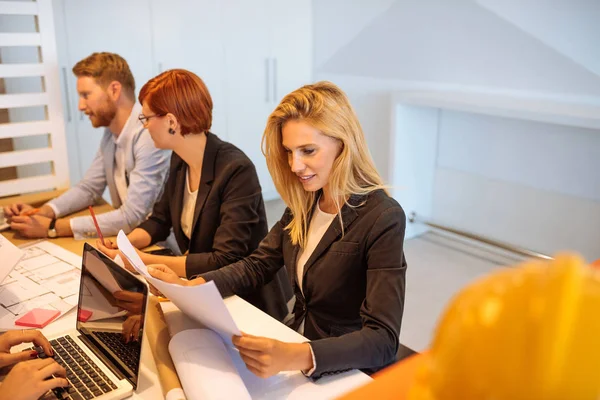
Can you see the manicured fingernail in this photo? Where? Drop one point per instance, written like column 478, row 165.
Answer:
column 33, row 354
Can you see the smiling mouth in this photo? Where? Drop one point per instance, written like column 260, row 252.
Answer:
column 305, row 178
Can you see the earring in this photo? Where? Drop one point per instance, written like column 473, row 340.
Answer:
column 171, row 131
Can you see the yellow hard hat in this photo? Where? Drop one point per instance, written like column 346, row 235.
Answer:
column 528, row 332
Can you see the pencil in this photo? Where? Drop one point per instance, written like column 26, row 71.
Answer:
column 96, row 224
column 30, row 212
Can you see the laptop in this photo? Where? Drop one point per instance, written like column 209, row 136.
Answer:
column 102, row 354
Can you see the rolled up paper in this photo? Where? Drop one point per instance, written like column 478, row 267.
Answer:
column 156, row 329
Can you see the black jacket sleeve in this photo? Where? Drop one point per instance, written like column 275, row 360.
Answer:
column 256, row 270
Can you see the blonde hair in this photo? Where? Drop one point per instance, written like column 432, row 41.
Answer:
column 325, row 107
column 107, row 67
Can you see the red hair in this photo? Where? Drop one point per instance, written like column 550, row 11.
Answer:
column 183, row 94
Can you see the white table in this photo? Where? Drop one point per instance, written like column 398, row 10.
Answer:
column 251, row 320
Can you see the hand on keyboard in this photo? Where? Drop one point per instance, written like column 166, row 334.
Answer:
column 28, row 380
column 59, row 391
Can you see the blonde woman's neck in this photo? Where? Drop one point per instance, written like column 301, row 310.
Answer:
column 327, row 203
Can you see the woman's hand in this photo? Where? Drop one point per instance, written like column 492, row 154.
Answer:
column 166, row 274
column 28, row 380
column 266, row 357
column 110, row 249
column 13, row 338
column 108, row 244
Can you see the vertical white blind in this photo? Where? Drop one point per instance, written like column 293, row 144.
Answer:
column 49, row 98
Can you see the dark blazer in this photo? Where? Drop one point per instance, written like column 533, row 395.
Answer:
column 353, row 284
column 229, row 218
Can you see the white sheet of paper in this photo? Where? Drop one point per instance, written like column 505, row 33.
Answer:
column 33, row 263
column 202, row 302
column 10, row 256
column 119, row 261
column 52, row 270
column 132, row 256
column 45, row 276
column 18, row 292
column 291, row 385
column 204, row 367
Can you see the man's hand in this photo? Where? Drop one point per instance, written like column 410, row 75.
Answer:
column 34, row 226
column 266, row 357
column 15, row 209
column 19, row 208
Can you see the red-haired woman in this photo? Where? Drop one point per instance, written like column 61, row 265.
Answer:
column 212, row 198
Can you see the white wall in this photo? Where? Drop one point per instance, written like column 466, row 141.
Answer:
column 546, row 157
column 527, row 183
column 539, row 49
column 414, row 151
column 338, row 22
column 371, row 49
column 459, row 42
column 568, row 26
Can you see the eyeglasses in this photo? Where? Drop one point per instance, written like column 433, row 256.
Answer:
column 144, row 119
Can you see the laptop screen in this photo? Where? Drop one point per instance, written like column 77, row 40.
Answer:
column 110, row 313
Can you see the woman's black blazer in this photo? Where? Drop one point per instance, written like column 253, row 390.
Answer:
column 229, row 218
column 353, row 284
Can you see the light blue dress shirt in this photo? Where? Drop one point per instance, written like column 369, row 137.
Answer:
column 146, row 169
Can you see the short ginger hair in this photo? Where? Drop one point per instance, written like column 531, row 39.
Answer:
column 183, row 94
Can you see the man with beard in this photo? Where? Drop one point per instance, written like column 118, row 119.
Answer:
column 127, row 161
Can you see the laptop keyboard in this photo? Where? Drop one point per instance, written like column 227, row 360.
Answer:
column 129, row 353
column 86, row 378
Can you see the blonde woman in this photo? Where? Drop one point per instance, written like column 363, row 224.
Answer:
column 341, row 239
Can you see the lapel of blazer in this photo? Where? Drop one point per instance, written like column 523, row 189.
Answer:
column 177, row 207
column 109, row 149
column 208, row 174
column 334, row 231
column 295, row 252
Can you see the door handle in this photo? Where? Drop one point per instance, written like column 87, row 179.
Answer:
column 64, row 71
column 274, row 79
column 267, row 76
